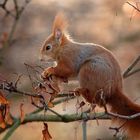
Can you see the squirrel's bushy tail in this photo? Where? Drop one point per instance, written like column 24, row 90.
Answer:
column 122, row 105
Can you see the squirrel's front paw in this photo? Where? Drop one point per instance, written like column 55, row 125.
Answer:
column 47, row 73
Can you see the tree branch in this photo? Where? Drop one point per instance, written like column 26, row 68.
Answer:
column 37, row 111
column 12, row 129
column 65, row 118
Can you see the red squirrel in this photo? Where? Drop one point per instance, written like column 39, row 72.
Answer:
column 97, row 70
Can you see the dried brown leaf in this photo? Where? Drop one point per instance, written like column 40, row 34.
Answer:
column 55, row 87
column 3, row 100
column 45, row 132
column 41, row 90
column 8, row 119
column 2, row 122
column 53, row 84
column 5, row 116
column 50, row 105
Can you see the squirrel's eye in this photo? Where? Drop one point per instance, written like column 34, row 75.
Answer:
column 48, row 47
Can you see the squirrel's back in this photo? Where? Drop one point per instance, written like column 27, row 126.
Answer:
column 77, row 54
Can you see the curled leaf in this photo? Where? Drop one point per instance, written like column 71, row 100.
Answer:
column 53, row 83
column 50, row 105
column 48, row 89
column 2, row 122
column 41, row 90
column 4, row 111
column 45, row 132
column 8, row 119
column 3, row 100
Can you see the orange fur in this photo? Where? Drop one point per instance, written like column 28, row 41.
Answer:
column 60, row 23
column 121, row 104
column 97, row 71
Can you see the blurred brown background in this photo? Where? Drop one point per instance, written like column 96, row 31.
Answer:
column 113, row 24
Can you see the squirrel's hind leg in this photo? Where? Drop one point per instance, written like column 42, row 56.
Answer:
column 95, row 75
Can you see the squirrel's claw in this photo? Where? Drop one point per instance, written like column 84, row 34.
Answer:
column 47, row 73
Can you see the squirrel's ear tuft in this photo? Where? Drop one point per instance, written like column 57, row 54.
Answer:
column 59, row 26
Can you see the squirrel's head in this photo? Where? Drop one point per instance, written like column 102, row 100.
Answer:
column 57, row 39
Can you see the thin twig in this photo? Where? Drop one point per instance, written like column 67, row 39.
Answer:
column 3, row 6
column 47, row 108
column 65, row 95
column 130, row 117
column 16, row 8
column 133, row 6
column 117, row 129
column 54, row 103
column 18, row 79
column 128, row 72
column 9, row 87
